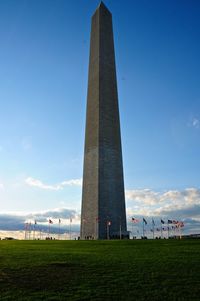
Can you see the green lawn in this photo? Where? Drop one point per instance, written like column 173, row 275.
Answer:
column 100, row 270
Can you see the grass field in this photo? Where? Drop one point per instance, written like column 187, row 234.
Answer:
column 100, row 270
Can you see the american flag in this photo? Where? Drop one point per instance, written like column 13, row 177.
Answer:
column 180, row 224
column 144, row 220
column 135, row 220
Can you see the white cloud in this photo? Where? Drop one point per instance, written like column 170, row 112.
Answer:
column 183, row 211
column 194, row 122
column 63, row 213
column 37, row 183
column 1, row 186
column 73, row 182
column 149, row 202
column 146, row 196
column 150, row 197
column 16, row 220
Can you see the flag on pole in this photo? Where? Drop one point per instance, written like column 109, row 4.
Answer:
column 50, row 221
column 180, row 224
column 170, row 221
column 35, row 222
column 59, row 220
column 162, row 221
column 144, row 220
column 153, row 222
column 135, row 220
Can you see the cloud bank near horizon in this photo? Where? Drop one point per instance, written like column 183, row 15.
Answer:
column 171, row 204
column 15, row 221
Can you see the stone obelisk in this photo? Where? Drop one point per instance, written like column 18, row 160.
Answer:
column 103, row 202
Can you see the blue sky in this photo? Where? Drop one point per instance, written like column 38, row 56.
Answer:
column 44, row 57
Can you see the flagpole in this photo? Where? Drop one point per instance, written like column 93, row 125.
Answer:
column 132, row 229
column 34, row 230
column 143, row 228
column 180, row 232
column 168, row 228
column 70, row 228
column 161, row 231
column 29, row 231
column 153, row 231
column 59, row 229
column 25, row 234
column 49, row 229
column 108, row 230
column 153, row 227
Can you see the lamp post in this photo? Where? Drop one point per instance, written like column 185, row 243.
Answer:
column 108, row 229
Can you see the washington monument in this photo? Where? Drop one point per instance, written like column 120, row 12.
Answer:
column 103, row 213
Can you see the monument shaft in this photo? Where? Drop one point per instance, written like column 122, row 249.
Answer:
column 103, row 201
